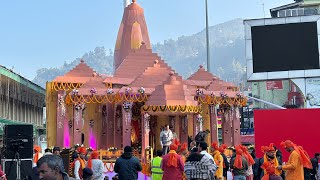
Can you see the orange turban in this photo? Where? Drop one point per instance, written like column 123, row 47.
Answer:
column 269, row 148
column 238, row 160
column 94, row 155
column 184, row 147
column 37, row 148
column 82, row 150
column 173, row 147
column 215, row 146
column 222, row 148
column 305, row 159
column 176, row 142
column 247, row 155
column 287, row 144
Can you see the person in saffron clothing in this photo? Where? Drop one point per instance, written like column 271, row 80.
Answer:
column 226, row 164
column 298, row 159
column 239, row 165
column 37, row 154
column 250, row 161
column 96, row 165
column 218, row 159
column 172, row 164
column 270, row 171
column 80, row 163
column 183, row 152
column 269, row 156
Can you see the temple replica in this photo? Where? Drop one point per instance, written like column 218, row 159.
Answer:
column 144, row 94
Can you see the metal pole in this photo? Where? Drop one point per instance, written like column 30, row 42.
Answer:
column 207, row 38
column 266, row 102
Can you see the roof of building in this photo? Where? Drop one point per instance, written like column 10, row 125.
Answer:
column 22, row 80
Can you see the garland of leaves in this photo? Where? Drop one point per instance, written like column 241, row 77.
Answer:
column 60, row 86
column 172, row 109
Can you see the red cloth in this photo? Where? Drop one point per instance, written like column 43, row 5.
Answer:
column 269, row 148
column 247, row 155
column 171, row 172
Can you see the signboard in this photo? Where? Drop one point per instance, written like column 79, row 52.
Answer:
column 272, row 85
column 313, row 92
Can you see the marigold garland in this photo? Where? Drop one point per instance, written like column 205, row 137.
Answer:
column 215, row 100
column 108, row 98
column 172, row 109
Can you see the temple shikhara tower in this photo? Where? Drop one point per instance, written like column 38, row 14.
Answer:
column 144, row 94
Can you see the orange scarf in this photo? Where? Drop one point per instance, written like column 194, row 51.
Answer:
column 305, row 159
column 238, row 160
column 273, row 163
column 82, row 163
column 269, row 169
column 173, row 161
column 36, row 157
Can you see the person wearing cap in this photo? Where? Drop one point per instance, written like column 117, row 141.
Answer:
column 269, row 156
column 172, row 164
column 127, row 166
column 56, row 150
column 156, row 171
column 239, row 165
column 37, row 154
column 298, row 160
column 80, row 163
column 218, row 159
column 96, row 165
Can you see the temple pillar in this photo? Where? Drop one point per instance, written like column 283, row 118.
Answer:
column 213, row 124
column 195, row 125
column 145, row 130
column 109, row 129
column 184, row 129
column 117, row 137
column 61, row 114
column 236, row 137
column 206, row 122
column 78, row 123
column 190, row 125
column 177, row 126
column 227, row 127
column 126, row 124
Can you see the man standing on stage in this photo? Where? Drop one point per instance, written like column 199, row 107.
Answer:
column 166, row 138
column 80, row 163
column 297, row 161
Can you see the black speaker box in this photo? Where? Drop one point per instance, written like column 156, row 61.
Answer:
column 10, row 168
column 18, row 138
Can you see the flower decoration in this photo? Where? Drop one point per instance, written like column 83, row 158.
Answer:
column 128, row 90
column 239, row 94
column 93, row 91
column 199, row 92
column 113, row 149
column 223, row 94
column 79, row 106
column 110, row 91
column 75, row 92
column 61, row 101
column 142, row 90
column 199, row 118
column 126, row 106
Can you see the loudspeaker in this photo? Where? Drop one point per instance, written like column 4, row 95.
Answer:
column 10, row 168
column 18, row 138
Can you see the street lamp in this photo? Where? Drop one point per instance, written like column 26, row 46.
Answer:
column 207, row 37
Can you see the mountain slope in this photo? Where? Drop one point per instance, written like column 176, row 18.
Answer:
column 226, row 49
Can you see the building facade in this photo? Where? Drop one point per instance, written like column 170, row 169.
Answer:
column 21, row 102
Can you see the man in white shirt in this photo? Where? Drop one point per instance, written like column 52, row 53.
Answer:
column 166, row 138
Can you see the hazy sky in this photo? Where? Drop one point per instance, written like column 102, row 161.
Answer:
column 38, row 33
